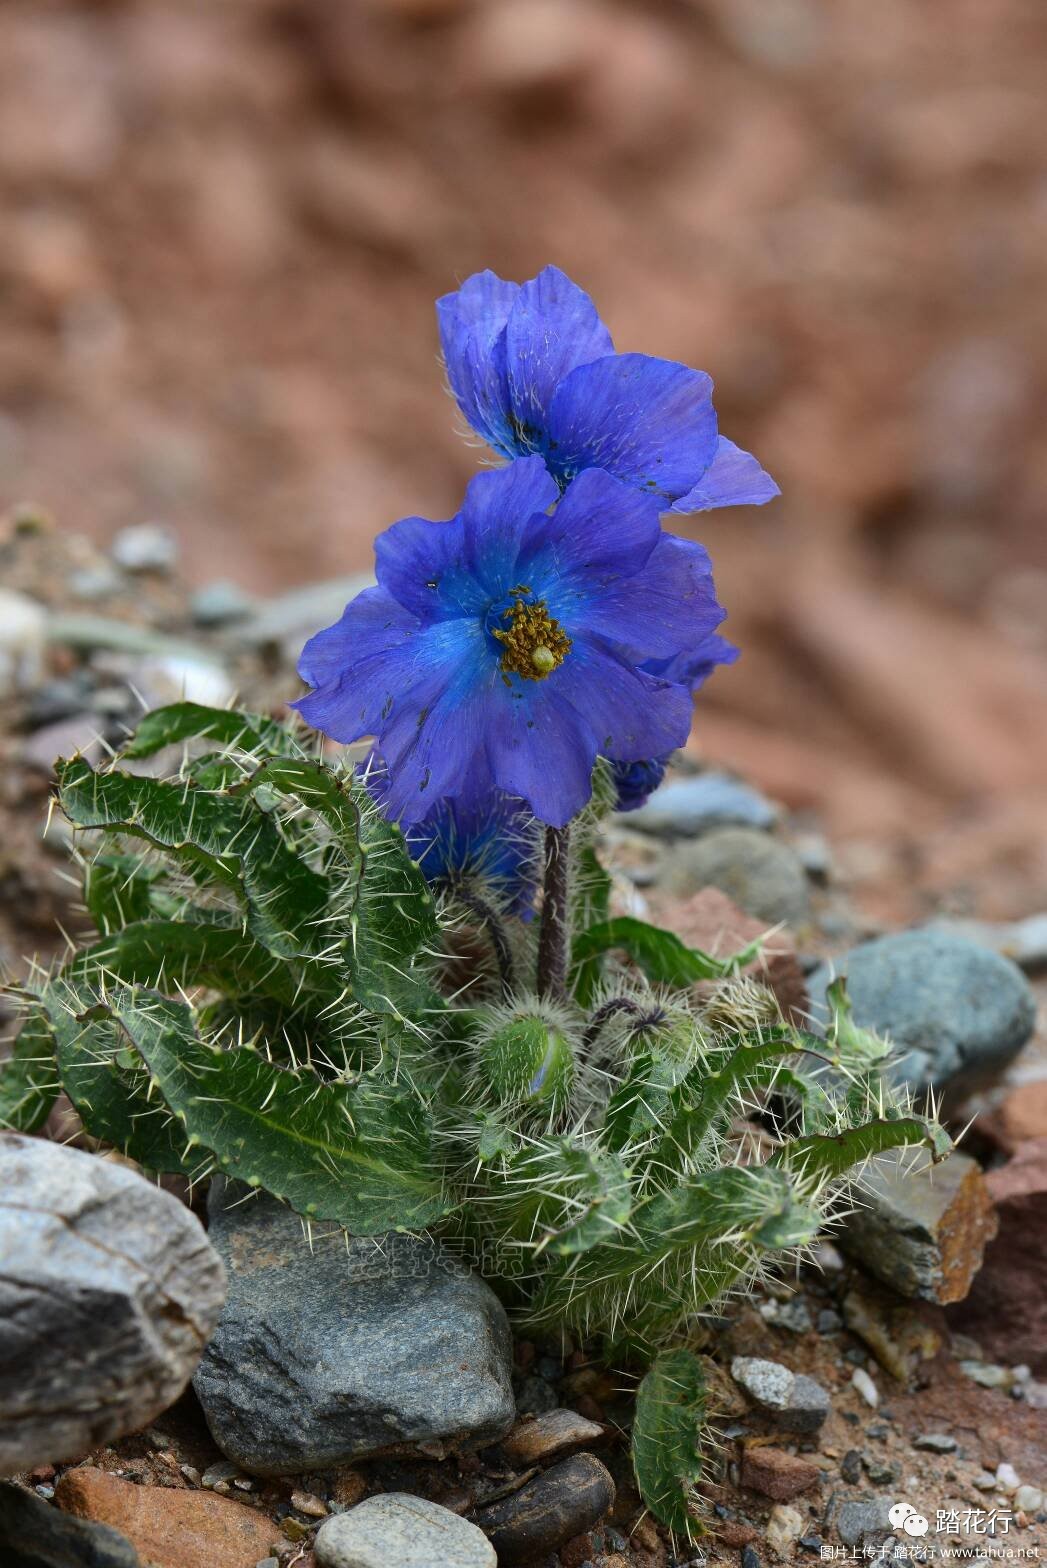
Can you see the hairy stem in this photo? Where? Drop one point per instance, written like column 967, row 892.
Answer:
column 554, row 936
column 604, row 1014
column 492, row 924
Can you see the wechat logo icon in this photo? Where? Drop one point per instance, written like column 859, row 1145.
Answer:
column 904, row 1516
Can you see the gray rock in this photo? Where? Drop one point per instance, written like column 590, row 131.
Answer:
column 796, row 1401
column 220, row 604
column 35, row 1535
column 956, row 1012
column 397, row 1530
column 1024, row 941
column 686, row 808
column 557, row 1505
column 936, row 1442
column 95, row 582
column 323, row 1356
column 919, row 1228
column 860, row 1523
column 109, row 1291
column 286, row 622
column 761, row 874
column 23, row 632
column 145, row 547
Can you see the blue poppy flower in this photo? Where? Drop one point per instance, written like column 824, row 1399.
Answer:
column 489, row 840
column 635, row 782
column 505, row 649
column 533, row 369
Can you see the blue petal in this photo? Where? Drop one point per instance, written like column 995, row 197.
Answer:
column 733, row 478
column 472, row 332
column 499, row 513
column 668, row 604
column 553, row 327
column 543, row 743
column 648, row 421
column 371, row 623
column 601, row 530
column 693, row 667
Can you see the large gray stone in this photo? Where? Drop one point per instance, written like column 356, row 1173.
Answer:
column 686, row 808
column 956, row 1012
column 34, row 1534
column 397, row 1530
column 762, row 875
column 109, row 1291
column 329, row 1353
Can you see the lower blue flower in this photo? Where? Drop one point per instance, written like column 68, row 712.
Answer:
column 507, row 649
column 635, row 781
column 490, row 841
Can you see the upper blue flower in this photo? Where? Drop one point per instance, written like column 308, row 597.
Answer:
column 505, row 648
column 533, row 370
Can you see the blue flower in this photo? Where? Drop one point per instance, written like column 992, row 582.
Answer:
column 533, row 369
column 634, row 782
column 489, row 840
column 505, row 649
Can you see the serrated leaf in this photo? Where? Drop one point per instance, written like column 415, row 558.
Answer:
column 829, row 1156
column 109, row 1094
column 230, row 727
column 661, row 956
column 754, row 1203
column 173, row 954
column 118, row 889
column 667, row 1460
column 357, row 1154
column 29, row 1082
column 235, row 842
column 561, row 1197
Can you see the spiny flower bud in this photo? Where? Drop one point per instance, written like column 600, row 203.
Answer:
column 529, row 1061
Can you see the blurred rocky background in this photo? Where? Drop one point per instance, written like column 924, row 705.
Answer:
column 224, row 228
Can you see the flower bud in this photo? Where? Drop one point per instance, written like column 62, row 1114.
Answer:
column 529, row 1062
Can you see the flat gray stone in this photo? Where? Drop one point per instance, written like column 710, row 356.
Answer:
column 762, row 875
column 956, row 1012
column 686, row 808
column 109, row 1291
column 796, row 1401
column 33, row 1534
column 397, row 1530
column 327, row 1355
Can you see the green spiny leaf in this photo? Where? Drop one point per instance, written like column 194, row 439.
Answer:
column 172, row 954
column 829, row 1156
column 357, row 1154
column 662, row 957
column 192, row 720
column 670, row 1411
column 29, row 1077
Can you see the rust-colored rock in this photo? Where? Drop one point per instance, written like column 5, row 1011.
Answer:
column 1021, row 1118
column 1006, row 1310
column 170, row 1529
column 922, row 1229
column 776, row 1473
column 555, row 1432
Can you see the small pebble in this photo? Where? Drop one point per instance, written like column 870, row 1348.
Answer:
column 851, row 1467
column 829, row 1322
column 865, row 1387
column 306, row 1503
column 987, row 1374
column 750, row 1557
column 936, row 1442
column 145, row 547
column 221, row 1470
column 1029, row 1499
column 1007, row 1477
column 985, row 1481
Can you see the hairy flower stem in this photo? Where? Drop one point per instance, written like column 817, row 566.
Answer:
column 555, row 931
column 492, row 924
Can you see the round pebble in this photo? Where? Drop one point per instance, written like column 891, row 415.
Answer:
column 396, row 1530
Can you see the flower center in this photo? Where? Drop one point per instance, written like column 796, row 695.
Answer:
column 534, row 644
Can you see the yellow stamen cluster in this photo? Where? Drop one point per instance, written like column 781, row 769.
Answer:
column 535, row 644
